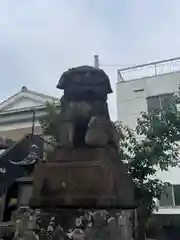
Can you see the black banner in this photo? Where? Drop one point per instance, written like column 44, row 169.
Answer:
column 10, row 169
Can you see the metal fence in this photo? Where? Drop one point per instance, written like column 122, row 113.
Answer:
column 149, row 69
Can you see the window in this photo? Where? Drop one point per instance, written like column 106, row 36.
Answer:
column 171, row 197
column 177, row 195
column 159, row 101
column 167, row 198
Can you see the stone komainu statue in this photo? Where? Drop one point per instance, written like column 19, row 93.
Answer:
column 84, row 119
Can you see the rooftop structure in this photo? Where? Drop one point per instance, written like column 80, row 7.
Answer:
column 149, row 69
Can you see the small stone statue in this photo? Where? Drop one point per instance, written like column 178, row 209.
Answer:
column 84, row 111
column 25, row 225
column 98, row 230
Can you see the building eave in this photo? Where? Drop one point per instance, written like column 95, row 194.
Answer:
column 26, row 109
column 23, row 115
column 26, row 91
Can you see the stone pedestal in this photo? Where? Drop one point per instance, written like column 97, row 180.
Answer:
column 75, row 181
column 83, row 178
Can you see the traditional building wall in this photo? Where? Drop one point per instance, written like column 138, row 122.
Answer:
column 16, row 113
column 17, row 134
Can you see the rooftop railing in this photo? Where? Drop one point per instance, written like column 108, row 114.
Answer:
column 149, row 70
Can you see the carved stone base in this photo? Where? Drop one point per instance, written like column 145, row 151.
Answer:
column 66, row 224
column 85, row 225
column 83, row 178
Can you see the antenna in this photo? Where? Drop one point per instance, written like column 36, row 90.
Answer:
column 96, row 61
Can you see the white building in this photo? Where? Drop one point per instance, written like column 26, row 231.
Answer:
column 145, row 87
column 16, row 113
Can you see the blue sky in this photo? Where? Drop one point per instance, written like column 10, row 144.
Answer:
column 39, row 39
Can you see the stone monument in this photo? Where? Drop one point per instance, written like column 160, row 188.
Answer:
column 85, row 171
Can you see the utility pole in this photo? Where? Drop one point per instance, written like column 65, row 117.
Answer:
column 33, row 120
column 96, row 61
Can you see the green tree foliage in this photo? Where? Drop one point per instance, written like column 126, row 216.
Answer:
column 50, row 122
column 152, row 147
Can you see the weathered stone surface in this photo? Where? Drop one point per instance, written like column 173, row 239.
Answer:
column 59, row 224
column 85, row 172
column 83, row 178
column 87, row 225
column 84, row 116
column 81, row 79
column 79, row 119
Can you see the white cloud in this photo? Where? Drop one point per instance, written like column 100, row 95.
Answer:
column 40, row 39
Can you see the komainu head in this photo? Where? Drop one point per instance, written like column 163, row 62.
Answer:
column 85, row 83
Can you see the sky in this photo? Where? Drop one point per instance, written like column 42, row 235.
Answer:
column 39, row 39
